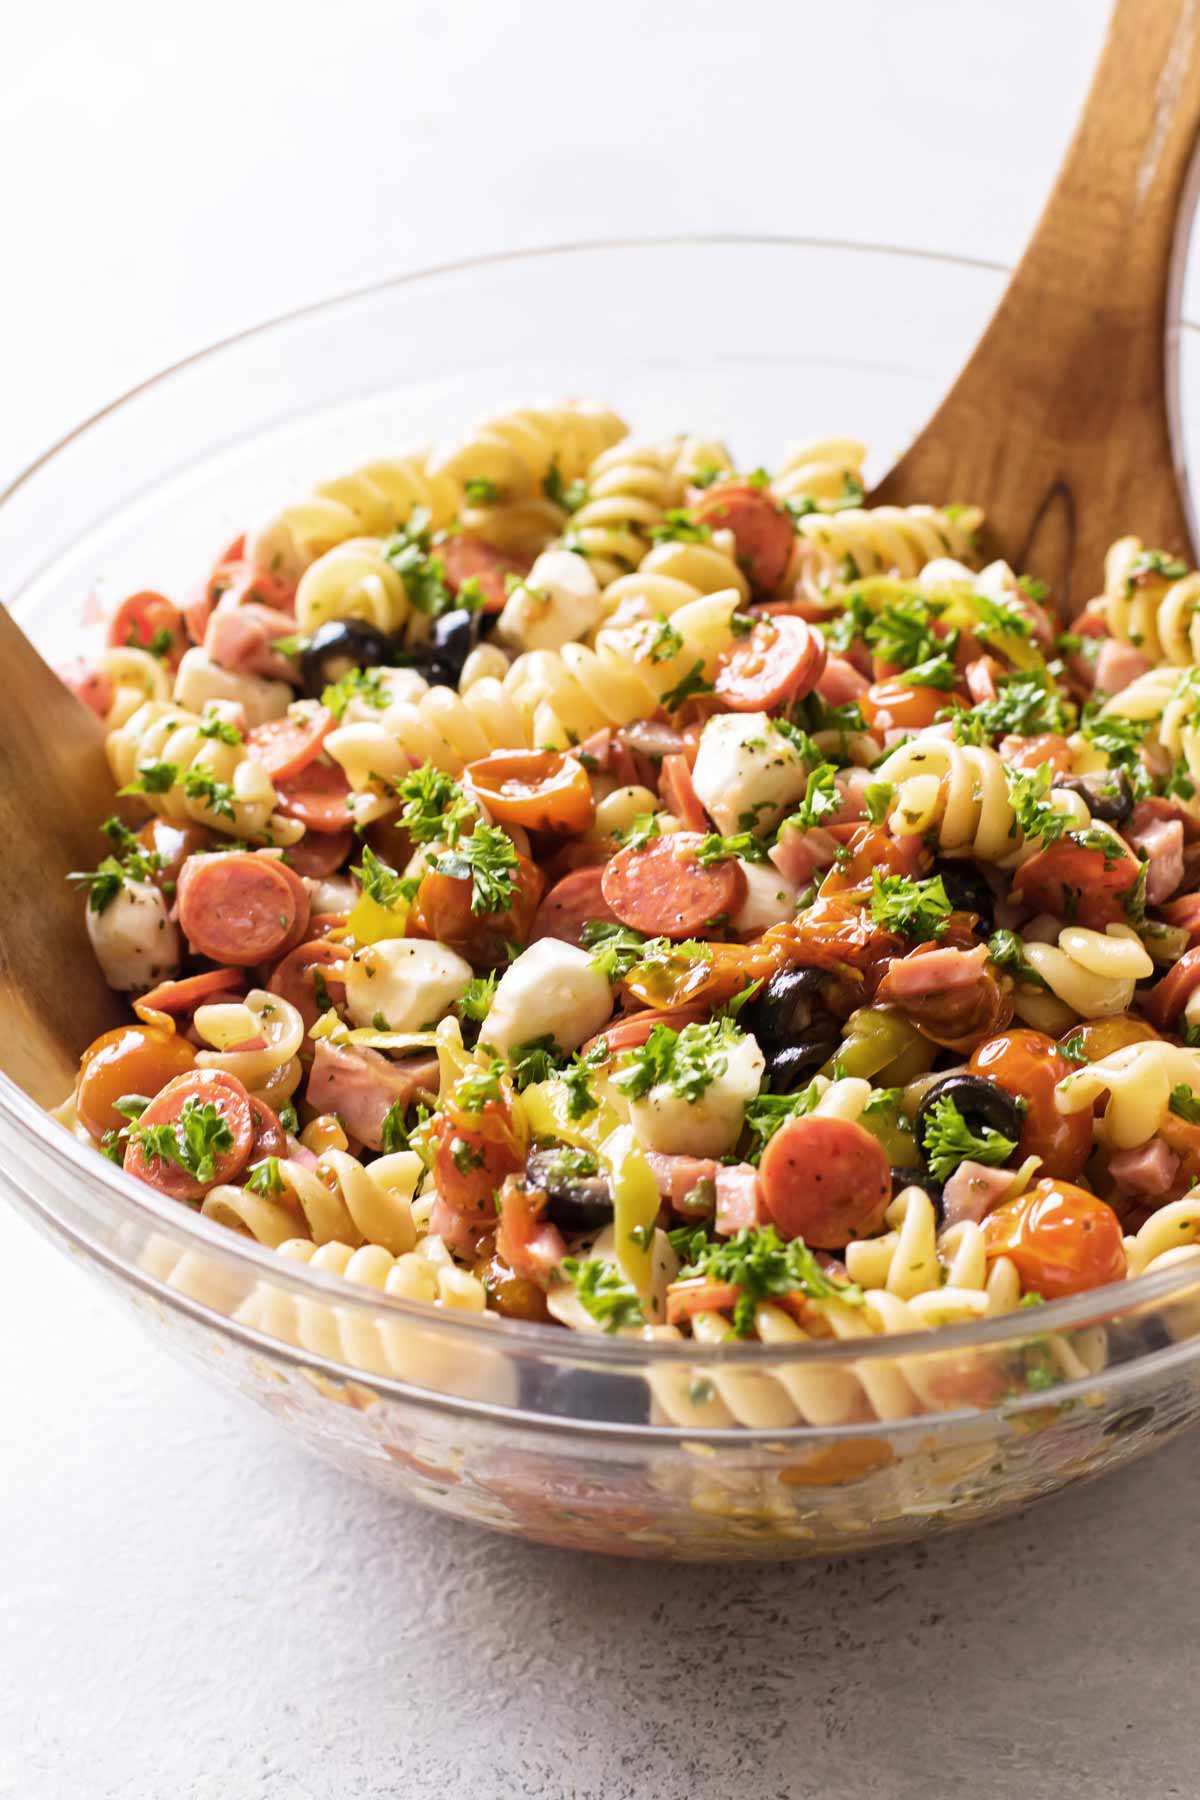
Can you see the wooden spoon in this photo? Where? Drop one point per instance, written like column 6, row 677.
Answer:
column 1064, row 425
column 1061, row 425
column 55, row 788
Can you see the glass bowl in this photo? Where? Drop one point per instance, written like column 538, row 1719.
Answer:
column 673, row 1451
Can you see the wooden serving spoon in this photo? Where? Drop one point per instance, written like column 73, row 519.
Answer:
column 55, row 788
column 1064, row 423
column 1061, row 425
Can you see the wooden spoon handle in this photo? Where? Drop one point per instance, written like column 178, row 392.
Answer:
column 1107, row 233
column 1064, row 421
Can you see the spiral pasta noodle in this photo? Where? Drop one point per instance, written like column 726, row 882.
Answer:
column 1092, row 974
column 514, row 452
column 434, row 725
column 170, row 738
column 824, row 471
column 1138, row 1081
column 629, row 491
column 354, row 580
column 136, row 677
column 258, row 1039
column 567, row 694
column 1153, row 611
column 1170, row 699
column 340, row 1201
column 675, row 572
column 373, row 501
column 879, row 540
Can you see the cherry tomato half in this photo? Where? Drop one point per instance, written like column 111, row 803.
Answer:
column 476, row 1146
column 1100, row 1037
column 1028, row 1065
column 442, row 910
column 894, row 705
column 539, row 789
column 132, row 1059
column 1092, row 880
column 1062, row 1239
column 149, row 621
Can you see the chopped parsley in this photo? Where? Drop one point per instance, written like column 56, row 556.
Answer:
column 715, row 848
column 915, row 909
column 677, row 526
column 767, row 1112
column 393, row 1133
column 760, row 1265
column 1036, row 818
column 570, row 495
column 1026, row 705
column 638, row 833
column 821, row 798
column 1185, row 1104
column 877, row 797
column 380, row 883
column 1008, row 952
column 687, row 1061
column 576, row 1076
column 213, row 726
column 533, row 1061
column 479, row 491
column 152, row 778
column 616, row 947
column 604, row 1293
column 105, row 882
column 264, row 1178
column 433, row 808
column 423, row 573
column 1154, row 562
column 193, row 1141
column 217, row 796
column 687, row 687
column 488, row 858
column 366, row 685
column 475, row 1001
column 902, row 632
column 664, row 641
column 948, row 1140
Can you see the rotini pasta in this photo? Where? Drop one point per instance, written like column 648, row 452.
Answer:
column 184, row 771
column 711, row 829
column 377, row 499
column 1150, row 602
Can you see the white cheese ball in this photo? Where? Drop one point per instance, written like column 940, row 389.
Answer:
column 558, row 603
column 769, row 898
column 551, row 990
column 406, row 982
column 664, row 1120
column 135, row 942
column 199, row 681
column 745, row 766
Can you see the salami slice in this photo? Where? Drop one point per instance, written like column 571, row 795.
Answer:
column 295, row 978
column 660, row 888
column 781, row 661
column 317, row 796
column 238, row 908
column 763, row 532
column 231, row 1100
column 569, row 905
column 825, row 1180
column 321, row 853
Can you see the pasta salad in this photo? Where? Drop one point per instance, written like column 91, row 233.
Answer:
column 580, row 879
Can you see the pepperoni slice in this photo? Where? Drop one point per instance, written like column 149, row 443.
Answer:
column 569, row 905
column 470, row 559
column 1167, row 999
column 238, row 908
column 317, row 796
column 782, row 660
column 142, row 618
column 322, row 854
column 286, row 746
column 295, row 978
column 825, row 1180
column 184, row 996
column 678, row 793
column 303, row 904
column 270, row 1139
column 662, row 890
column 762, row 530
column 212, row 1086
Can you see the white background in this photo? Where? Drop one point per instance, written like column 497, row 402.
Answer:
column 188, row 1607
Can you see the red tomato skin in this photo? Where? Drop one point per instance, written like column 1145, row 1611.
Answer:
column 1029, row 1065
column 1062, row 1239
column 894, row 705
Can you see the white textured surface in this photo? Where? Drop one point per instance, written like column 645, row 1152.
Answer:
column 189, row 1607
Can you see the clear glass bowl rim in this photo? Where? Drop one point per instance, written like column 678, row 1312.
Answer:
column 1095, row 1306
